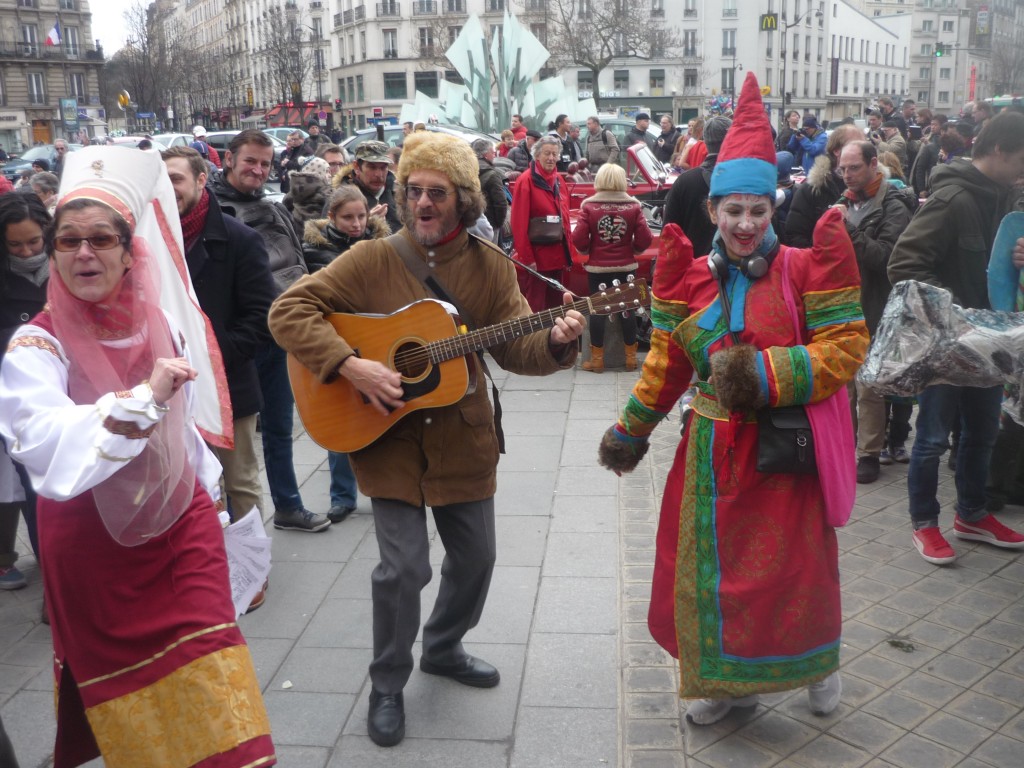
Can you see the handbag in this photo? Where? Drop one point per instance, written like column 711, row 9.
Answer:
column 545, row 230
column 785, row 441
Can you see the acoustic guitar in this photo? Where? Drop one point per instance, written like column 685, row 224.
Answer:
column 429, row 348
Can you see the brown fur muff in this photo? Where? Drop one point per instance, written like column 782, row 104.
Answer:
column 734, row 374
column 620, row 455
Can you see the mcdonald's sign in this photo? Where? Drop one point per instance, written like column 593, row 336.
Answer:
column 769, row 22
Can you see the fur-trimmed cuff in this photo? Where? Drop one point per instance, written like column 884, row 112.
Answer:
column 735, row 377
column 620, row 452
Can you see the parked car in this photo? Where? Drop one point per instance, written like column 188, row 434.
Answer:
column 284, row 133
column 12, row 168
column 133, row 141
column 393, row 135
column 219, row 140
column 174, row 139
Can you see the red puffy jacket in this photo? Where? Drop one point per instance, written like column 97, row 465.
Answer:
column 610, row 231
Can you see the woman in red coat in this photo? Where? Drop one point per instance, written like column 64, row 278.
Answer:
column 540, row 224
column 610, row 231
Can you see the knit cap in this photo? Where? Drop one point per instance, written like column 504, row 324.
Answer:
column 746, row 162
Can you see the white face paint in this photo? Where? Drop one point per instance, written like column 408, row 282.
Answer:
column 742, row 220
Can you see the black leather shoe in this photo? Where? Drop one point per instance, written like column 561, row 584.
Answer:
column 339, row 512
column 386, row 720
column 470, row 671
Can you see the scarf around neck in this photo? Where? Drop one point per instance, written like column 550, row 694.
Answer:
column 192, row 222
column 35, row 269
column 867, row 193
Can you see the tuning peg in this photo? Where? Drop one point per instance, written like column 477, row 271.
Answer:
column 601, row 286
column 616, row 282
column 640, row 311
column 630, row 278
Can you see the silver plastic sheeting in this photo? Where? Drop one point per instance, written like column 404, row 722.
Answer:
column 925, row 339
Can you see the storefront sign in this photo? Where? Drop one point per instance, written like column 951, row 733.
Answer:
column 69, row 114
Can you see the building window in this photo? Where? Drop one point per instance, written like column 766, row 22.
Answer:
column 68, row 5
column 426, row 41
column 944, row 97
column 729, row 9
column 922, row 97
column 947, row 26
column 390, row 44
column 621, row 81
column 658, row 9
column 927, row 25
column 454, row 6
column 351, row 90
column 585, row 80
column 924, row 73
column 540, row 31
column 395, row 85
column 495, row 6
column 926, row 49
column 452, row 76
column 728, row 42
column 690, row 42
column 360, row 94
column 36, row 88
column 453, row 34
column 71, row 46
column 689, row 78
column 27, row 4
column 3, row 91
column 656, row 82
column 362, row 43
column 29, row 40
column 690, row 9
column 944, row 73
column 728, row 79
column 76, row 84
column 426, row 83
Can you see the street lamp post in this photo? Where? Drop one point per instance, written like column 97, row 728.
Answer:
column 784, row 52
column 316, row 38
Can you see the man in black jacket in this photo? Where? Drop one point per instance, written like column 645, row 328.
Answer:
column 230, row 272
column 292, row 158
column 371, row 173
column 948, row 244
column 491, row 184
column 239, row 190
column 686, row 201
column 876, row 213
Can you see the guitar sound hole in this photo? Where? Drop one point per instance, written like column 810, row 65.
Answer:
column 411, row 360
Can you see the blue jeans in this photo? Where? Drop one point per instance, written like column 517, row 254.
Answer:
column 276, row 417
column 343, row 481
column 937, row 410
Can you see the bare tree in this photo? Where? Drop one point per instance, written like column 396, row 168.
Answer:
column 287, row 50
column 1007, row 68
column 593, row 33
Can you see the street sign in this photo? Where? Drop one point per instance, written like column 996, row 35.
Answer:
column 322, row 115
column 145, row 115
column 123, row 100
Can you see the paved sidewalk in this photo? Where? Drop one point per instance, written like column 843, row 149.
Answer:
column 932, row 661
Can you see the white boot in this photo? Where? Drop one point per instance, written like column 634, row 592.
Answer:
column 708, row 711
column 823, row 696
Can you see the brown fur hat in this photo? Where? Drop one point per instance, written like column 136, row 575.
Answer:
column 433, row 151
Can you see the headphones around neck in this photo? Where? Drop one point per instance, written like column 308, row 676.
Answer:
column 754, row 266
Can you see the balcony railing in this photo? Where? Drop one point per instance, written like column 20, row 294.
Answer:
column 728, row 51
column 729, row 13
column 338, row 19
column 390, row 53
column 657, row 13
column 690, row 13
column 316, row 5
column 359, row 13
column 424, row 8
column 494, row 6
column 454, row 6
column 388, row 9
column 23, row 50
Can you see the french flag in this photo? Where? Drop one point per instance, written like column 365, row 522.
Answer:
column 54, row 37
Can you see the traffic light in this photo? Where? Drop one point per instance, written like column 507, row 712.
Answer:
column 940, row 50
column 337, row 105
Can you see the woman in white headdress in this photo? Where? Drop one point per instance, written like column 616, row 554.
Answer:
column 98, row 400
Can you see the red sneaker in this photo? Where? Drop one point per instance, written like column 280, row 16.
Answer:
column 988, row 530
column 933, row 546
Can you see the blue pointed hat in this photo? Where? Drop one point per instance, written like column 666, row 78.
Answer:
column 746, row 162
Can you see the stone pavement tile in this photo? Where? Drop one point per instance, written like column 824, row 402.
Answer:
column 862, row 529
column 854, row 604
column 956, row 669
column 958, row 617
column 986, row 559
column 982, row 710
column 587, row 429
column 571, row 671
column 1013, row 571
column 796, row 706
column 1000, row 632
column 935, row 635
column 928, row 689
column 866, row 732
column 529, row 453
column 579, row 452
column 885, row 618
column 268, row 654
column 659, row 679
column 912, row 751
column 856, row 691
column 324, row 670
column 899, row 710
column 559, row 380
column 335, row 545
column 638, row 632
column 914, row 603
column 359, row 752
column 508, row 613
column 861, row 635
column 638, row 573
column 984, row 651
column 354, row 581
column 1014, row 665
column 934, row 585
column 652, row 705
column 868, row 588
column 634, row 611
column 29, row 655
column 307, row 719
column 645, row 655
column 296, row 589
column 893, row 575
column 519, row 423
column 594, row 409
column 736, row 751
column 875, row 669
column 520, row 540
column 828, row 752
column 1014, row 728
column 14, row 677
column 532, row 401
column 30, row 724
column 879, row 552
column 577, row 605
column 645, row 532
column 954, row 732
column 301, row 757
column 851, row 565
column 573, row 514
column 1014, row 613
column 587, row 481
column 582, row 554
column 893, row 649
column 654, row 733
column 595, row 389
column 777, row 733
column 669, row 758
column 555, row 737
column 343, row 623
column 524, row 492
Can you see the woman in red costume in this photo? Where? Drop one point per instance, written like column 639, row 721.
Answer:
column 746, row 581
column 96, row 400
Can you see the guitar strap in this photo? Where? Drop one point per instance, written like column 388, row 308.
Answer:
column 433, row 284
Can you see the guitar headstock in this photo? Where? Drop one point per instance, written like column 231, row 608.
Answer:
column 624, row 297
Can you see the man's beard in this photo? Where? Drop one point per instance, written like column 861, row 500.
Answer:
column 410, row 221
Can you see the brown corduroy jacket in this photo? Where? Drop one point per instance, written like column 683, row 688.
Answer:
column 435, row 456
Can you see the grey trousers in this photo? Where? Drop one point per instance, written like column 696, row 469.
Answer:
column 467, row 532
